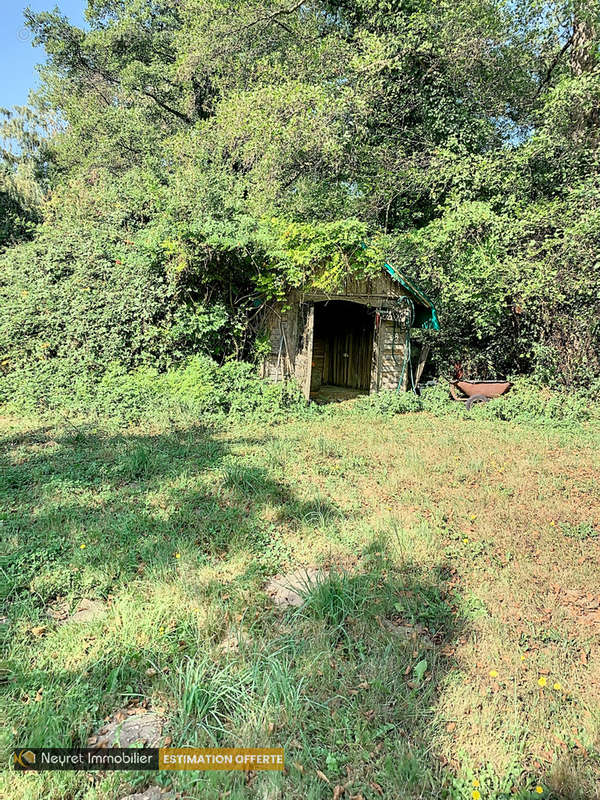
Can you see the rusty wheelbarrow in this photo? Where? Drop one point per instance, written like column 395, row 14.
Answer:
column 478, row 391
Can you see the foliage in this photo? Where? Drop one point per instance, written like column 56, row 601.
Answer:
column 526, row 403
column 200, row 389
column 433, row 399
column 529, row 403
column 526, row 278
column 387, row 403
column 184, row 162
column 320, row 256
column 197, row 389
column 21, row 174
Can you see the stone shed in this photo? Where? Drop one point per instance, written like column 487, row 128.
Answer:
column 354, row 341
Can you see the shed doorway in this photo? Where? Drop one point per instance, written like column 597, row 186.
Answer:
column 342, row 350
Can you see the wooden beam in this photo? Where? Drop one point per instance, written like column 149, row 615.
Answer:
column 421, row 365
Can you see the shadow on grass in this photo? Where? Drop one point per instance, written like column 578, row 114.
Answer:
column 88, row 510
column 348, row 683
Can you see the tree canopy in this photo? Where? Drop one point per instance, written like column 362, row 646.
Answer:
column 185, row 159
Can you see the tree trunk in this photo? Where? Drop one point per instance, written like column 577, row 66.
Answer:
column 585, row 112
column 584, row 37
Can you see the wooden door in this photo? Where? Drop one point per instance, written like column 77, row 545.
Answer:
column 350, row 355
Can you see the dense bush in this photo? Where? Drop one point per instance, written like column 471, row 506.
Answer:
column 199, row 389
column 526, row 402
column 516, row 282
column 200, row 167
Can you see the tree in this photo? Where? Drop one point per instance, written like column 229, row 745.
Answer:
column 226, row 150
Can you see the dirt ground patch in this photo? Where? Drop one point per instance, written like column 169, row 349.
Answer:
column 85, row 611
column 291, row 589
column 128, row 727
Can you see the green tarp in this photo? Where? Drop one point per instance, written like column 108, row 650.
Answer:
column 424, row 317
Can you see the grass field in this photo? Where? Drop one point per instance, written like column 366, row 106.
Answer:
column 451, row 650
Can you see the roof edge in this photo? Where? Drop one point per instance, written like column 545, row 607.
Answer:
column 428, row 320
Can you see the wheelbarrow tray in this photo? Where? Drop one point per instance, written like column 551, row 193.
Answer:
column 488, row 389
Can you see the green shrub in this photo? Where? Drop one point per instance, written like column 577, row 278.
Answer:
column 200, row 389
column 434, row 399
column 197, row 389
column 437, row 400
column 527, row 402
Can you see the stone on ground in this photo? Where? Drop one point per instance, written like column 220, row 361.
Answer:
column 291, row 589
column 151, row 793
column 127, row 727
column 85, row 611
column 88, row 611
column 234, row 641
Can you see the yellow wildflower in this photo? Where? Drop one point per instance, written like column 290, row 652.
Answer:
column 542, row 682
column 82, row 547
column 476, row 795
column 177, row 555
column 465, row 540
column 539, row 789
column 557, row 686
column 476, row 783
column 493, row 673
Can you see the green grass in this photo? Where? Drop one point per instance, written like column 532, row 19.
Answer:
column 453, row 547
